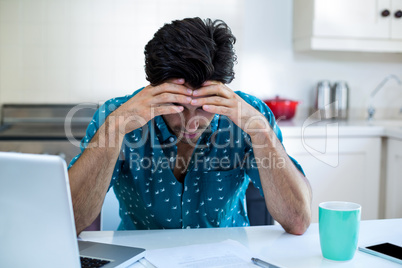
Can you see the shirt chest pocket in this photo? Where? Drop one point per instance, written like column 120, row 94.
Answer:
column 219, row 190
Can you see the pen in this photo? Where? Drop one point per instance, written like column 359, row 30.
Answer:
column 263, row 264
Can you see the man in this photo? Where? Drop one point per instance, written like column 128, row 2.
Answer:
column 180, row 152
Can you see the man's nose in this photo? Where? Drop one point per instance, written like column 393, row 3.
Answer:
column 192, row 124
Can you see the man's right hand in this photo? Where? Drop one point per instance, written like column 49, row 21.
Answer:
column 150, row 102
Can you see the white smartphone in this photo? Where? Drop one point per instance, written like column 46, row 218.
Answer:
column 385, row 250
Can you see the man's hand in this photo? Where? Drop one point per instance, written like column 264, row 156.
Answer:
column 219, row 99
column 151, row 102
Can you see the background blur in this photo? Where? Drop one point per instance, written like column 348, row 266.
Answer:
column 72, row 51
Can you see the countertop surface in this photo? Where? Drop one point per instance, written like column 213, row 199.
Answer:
column 289, row 128
column 269, row 242
column 41, row 132
column 352, row 128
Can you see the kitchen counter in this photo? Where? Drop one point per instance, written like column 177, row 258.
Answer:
column 350, row 161
column 289, row 128
column 41, row 132
column 331, row 128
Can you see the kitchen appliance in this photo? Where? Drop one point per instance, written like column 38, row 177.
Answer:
column 41, row 129
column 323, row 95
column 341, row 98
column 332, row 100
column 284, row 109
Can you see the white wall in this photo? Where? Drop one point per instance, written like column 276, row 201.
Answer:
column 86, row 50
column 67, row 51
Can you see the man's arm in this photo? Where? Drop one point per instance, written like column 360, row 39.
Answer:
column 91, row 174
column 287, row 192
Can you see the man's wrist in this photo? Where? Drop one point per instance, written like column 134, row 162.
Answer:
column 259, row 128
column 109, row 134
column 262, row 137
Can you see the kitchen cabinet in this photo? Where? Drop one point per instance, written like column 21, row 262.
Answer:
column 348, row 25
column 340, row 169
column 393, row 198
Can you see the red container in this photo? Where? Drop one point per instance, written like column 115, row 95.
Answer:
column 282, row 108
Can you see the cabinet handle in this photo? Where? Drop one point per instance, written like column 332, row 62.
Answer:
column 385, row 13
column 398, row 14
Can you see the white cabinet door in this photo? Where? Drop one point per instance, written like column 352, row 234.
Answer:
column 347, row 25
column 396, row 23
column 348, row 172
column 393, row 196
column 352, row 18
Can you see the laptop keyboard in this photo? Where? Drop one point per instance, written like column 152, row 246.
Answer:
column 89, row 262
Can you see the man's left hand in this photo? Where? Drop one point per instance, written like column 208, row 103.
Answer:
column 215, row 97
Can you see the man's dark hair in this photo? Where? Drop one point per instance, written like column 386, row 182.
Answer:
column 192, row 49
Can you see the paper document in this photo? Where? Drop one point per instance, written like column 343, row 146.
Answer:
column 228, row 253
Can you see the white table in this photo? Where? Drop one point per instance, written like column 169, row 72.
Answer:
column 270, row 242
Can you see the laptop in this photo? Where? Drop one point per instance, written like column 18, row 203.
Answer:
column 37, row 226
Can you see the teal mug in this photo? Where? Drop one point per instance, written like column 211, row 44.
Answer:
column 339, row 229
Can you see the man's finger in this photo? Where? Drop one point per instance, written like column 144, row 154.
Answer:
column 167, row 109
column 167, row 98
column 210, row 82
column 214, row 100
column 213, row 109
column 179, row 81
column 213, row 89
column 171, row 88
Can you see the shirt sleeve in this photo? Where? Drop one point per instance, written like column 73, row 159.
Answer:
column 98, row 119
column 252, row 169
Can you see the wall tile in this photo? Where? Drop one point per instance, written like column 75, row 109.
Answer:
column 33, row 57
column 11, row 85
column 80, row 35
column 103, row 11
column 127, row 12
column 57, row 11
column 10, row 33
column 58, row 57
column 81, row 57
column 82, row 11
column 102, row 35
column 32, row 81
column 32, row 34
column 126, row 34
column 58, row 34
column 103, row 58
column 32, row 11
column 126, row 57
column 10, row 57
column 10, row 11
column 81, row 80
column 57, row 85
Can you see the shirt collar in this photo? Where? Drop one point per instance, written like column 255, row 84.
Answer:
column 164, row 133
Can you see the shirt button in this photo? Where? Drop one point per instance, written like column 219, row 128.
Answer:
column 171, row 139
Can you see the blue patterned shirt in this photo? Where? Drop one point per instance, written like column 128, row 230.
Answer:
column 213, row 191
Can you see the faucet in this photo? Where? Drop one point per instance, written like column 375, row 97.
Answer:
column 371, row 109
